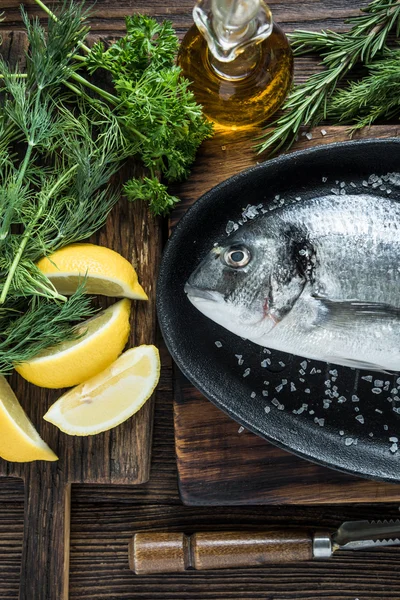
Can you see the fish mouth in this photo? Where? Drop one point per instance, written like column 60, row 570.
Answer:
column 202, row 294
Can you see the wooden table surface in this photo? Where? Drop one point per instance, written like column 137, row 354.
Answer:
column 105, row 517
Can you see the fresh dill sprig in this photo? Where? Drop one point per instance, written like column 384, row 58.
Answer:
column 307, row 103
column 55, row 161
column 26, row 330
column 375, row 96
column 59, row 149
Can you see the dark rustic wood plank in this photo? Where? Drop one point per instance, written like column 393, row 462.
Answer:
column 109, row 16
column 45, row 551
column 119, row 456
column 220, row 464
column 99, row 560
column 101, row 531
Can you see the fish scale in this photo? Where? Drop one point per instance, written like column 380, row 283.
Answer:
column 322, row 281
column 345, row 230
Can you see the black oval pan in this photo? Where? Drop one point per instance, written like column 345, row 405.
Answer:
column 353, row 427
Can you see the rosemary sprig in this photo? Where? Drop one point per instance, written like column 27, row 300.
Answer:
column 307, row 103
column 373, row 97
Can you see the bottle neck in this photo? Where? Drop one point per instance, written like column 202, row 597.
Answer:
column 233, row 29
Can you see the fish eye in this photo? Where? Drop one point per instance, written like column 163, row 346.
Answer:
column 236, row 256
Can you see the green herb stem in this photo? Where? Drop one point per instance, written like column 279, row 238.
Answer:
column 106, row 95
column 307, row 104
column 29, row 229
column 54, row 17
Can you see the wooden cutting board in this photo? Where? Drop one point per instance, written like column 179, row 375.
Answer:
column 219, row 463
column 120, row 456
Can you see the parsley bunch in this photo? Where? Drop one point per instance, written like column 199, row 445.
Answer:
column 152, row 101
column 155, row 105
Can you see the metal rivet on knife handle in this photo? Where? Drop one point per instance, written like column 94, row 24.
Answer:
column 153, row 552
column 322, row 545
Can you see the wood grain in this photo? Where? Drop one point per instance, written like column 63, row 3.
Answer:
column 160, row 552
column 121, row 455
column 105, row 516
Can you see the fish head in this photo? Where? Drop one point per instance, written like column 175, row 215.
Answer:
column 246, row 283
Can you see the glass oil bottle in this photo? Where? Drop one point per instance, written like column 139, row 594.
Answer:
column 239, row 62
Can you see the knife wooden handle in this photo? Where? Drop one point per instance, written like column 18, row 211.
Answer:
column 156, row 552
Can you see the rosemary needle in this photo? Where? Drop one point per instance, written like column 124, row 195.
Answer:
column 307, row 103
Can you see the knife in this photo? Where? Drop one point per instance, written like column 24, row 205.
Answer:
column 167, row 552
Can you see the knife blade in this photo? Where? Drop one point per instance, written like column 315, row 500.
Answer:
column 168, row 552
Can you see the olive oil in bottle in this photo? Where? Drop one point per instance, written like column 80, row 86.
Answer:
column 239, row 62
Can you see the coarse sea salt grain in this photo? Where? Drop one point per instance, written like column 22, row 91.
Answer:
column 320, row 422
column 324, row 179
column 393, row 448
column 253, row 395
column 241, row 429
column 267, row 409
column 376, row 390
column 303, row 364
column 230, row 226
column 265, row 393
column 355, row 398
column 323, row 132
column 218, row 344
column 350, row 441
column 367, row 378
column 240, row 359
column 360, row 418
column 309, row 136
column 292, row 387
column 246, row 372
column 266, row 362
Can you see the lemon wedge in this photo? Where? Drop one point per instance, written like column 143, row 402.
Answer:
column 67, row 364
column 107, row 272
column 110, row 398
column 19, row 440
